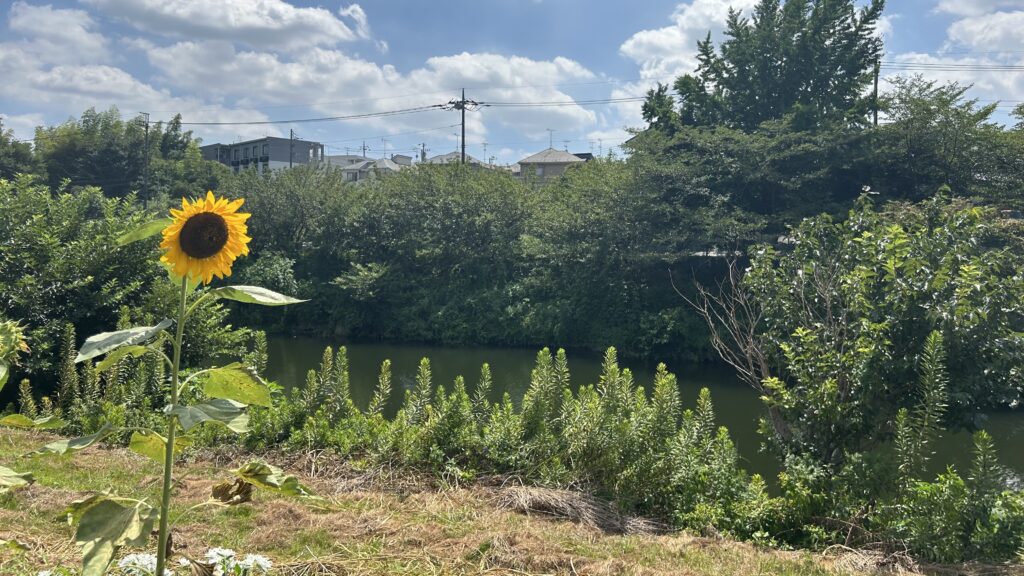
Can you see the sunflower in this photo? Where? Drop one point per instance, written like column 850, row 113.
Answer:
column 205, row 238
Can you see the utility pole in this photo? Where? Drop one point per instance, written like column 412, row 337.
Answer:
column 423, row 152
column 384, row 144
column 485, row 150
column 364, row 148
column 551, row 137
column 145, row 164
column 878, row 65
column 291, row 147
column 461, row 106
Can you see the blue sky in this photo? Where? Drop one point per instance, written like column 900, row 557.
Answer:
column 242, row 60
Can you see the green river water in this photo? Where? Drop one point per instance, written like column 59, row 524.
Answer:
column 736, row 405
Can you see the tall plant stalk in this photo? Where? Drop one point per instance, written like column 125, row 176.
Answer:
column 172, row 424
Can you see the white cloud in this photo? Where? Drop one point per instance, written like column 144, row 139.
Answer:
column 885, row 26
column 264, row 24
column 664, row 53
column 998, row 31
column 57, row 35
column 69, row 89
column 988, row 85
column 335, row 84
column 23, row 125
column 976, row 7
column 356, row 13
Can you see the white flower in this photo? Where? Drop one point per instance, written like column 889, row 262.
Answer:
column 140, row 565
column 216, row 555
column 45, row 573
column 184, row 562
column 256, row 564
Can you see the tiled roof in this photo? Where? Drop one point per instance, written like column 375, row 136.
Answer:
column 551, row 156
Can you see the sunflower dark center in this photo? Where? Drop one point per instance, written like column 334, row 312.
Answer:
column 203, row 235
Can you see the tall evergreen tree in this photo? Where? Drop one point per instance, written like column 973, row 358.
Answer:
column 810, row 56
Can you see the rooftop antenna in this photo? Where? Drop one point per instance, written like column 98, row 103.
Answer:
column 566, row 144
column 551, row 135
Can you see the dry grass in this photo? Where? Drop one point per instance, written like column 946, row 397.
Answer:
column 381, row 521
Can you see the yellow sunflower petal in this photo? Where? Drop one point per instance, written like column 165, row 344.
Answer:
column 219, row 263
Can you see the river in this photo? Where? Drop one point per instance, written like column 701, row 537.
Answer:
column 736, row 405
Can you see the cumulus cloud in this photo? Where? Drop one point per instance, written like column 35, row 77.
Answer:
column 975, row 7
column 666, row 52
column 56, row 35
column 72, row 88
column 266, row 24
column 988, row 85
column 994, row 32
column 335, row 84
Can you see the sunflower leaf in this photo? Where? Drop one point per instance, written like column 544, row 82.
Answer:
column 22, row 421
column 10, row 479
column 66, row 445
column 227, row 412
column 254, row 295
column 108, row 341
column 106, row 526
column 115, row 356
column 236, row 382
column 144, row 231
column 263, row 475
column 152, row 445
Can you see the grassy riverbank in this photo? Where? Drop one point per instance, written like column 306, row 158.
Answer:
column 377, row 523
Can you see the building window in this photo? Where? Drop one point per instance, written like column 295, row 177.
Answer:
column 255, row 152
column 540, row 171
column 236, row 153
column 264, row 149
column 245, row 153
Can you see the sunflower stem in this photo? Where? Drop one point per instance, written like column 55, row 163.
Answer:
column 172, row 424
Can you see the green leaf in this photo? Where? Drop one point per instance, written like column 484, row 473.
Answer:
column 254, row 295
column 66, row 445
column 5, row 371
column 227, row 412
column 10, row 479
column 22, row 421
column 263, row 475
column 16, row 546
column 152, row 445
column 106, row 526
column 109, row 341
column 144, row 231
column 238, row 383
column 115, row 356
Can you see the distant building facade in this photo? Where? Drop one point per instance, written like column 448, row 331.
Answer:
column 269, row 153
column 548, row 164
column 452, row 158
column 359, row 168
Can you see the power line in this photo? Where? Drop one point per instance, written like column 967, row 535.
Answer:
column 322, row 119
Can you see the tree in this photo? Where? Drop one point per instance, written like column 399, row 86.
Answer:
column 817, row 55
column 831, row 332
column 15, row 157
column 936, row 136
column 100, row 149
